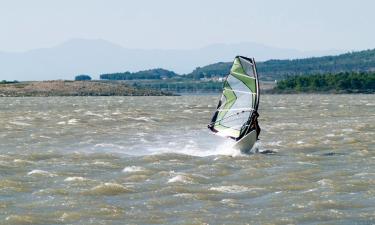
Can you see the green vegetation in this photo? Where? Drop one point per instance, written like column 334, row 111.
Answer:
column 350, row 72
column 347, row 73
column 82, row 77
column 341, row 82
column 8, row 82
column 363, row 61
column 220, row 69
column 154, row 74
column 165, row 80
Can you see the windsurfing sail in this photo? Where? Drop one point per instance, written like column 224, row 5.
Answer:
column 236, row 114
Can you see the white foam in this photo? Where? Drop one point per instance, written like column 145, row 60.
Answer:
column 310, row 190
column 109, row 189
column 41, row 173
column 72, row 121
column 226, row 148
column 142, row 118
column 209, row 145
column 180, row 179
column 347, row 130
column 116, row 113
column 19, row 123
column 141, row 134
column 101, row 163
column 89, row 113
column 220, row 146
column 227, row 200
column 22, row 161
column 274, row 143
column 109, row 146
column 364, row 174
column 131, row 169
column 325, row 182
column 184, row 195
column 74, row 179
column 234, row 189
column 46, row 137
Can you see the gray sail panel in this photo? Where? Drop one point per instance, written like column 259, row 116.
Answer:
column 247, row 66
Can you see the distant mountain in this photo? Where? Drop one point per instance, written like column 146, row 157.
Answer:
column 94, row 57
column 361, row 61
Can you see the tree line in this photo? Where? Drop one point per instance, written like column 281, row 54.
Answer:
column 340, row 82
column 153, row 74
column 8, row 82
column 362, row 61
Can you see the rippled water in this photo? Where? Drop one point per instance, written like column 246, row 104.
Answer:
column 151, row 160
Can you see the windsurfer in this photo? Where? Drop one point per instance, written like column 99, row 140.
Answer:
column 236, row 115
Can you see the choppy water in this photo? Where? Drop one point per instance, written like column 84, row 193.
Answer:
column 151, row 160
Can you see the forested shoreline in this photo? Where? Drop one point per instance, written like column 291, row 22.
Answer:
column 270, row 70
column 328, row 83
column 346, row 73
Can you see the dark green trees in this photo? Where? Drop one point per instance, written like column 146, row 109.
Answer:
column 341, row 82
column 153, row 74
column 362, row 61
column 82, row 77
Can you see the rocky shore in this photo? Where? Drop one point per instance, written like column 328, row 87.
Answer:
column 74, row 88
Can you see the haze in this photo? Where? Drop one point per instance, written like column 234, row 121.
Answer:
column 171, row 24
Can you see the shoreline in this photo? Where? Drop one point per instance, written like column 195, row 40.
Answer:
column 75, row 88
column 69, row 88
column 329, row 92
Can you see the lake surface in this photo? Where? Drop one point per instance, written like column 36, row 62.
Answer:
column 151, row 160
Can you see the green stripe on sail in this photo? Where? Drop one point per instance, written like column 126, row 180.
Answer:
column 230, row 99
column 238, row 72
column 237, row 68
column 248, row 81
column 227, row 131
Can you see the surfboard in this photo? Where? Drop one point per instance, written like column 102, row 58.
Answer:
column 246, row 143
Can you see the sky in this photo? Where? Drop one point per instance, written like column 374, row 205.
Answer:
column 189, row 24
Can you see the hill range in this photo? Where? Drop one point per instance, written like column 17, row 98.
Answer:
column 95, row 57
column 361, row 61
column 270, row 70
column 352, row 72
